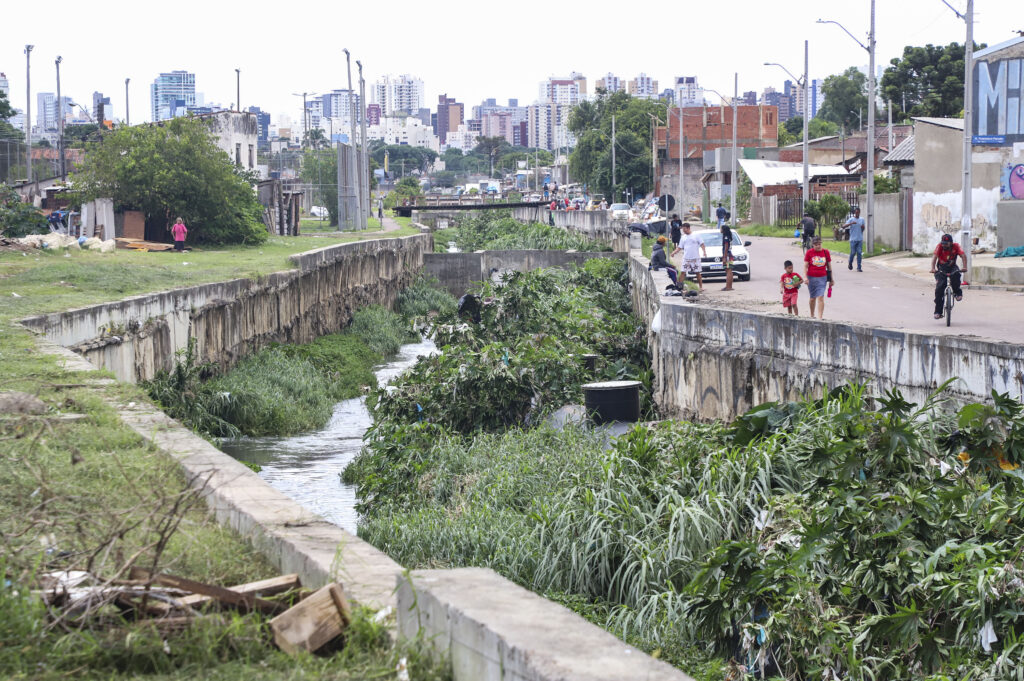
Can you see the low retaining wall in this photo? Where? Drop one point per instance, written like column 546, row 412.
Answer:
column 493, row 630
column 593, row 224
column 136, row 337
column 714, row 363
column 456, row 271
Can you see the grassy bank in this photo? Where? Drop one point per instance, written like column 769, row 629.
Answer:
column 787, row 233
column 90, row 493
column 496, row 230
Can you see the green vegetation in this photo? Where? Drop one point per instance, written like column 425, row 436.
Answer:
column 320, row 169
column 496, row 230
column 927, row 81
column 16, row 217
column 174, row 169
column 766, row 230
column 845, row 99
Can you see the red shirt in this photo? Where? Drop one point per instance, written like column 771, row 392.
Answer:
column 944, row 257
column 817, row 262
column 791, row 281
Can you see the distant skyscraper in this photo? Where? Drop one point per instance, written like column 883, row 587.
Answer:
column 171, row 94
column 450, row 115
column 101, row 108
column 688, row 92
column 396, row 94
column 610, row 83
column 337, row 104
column 5, row 87
column 563, row 90
column 643, row 86
column 47, row 114
column 262, row 123
column 750, row 98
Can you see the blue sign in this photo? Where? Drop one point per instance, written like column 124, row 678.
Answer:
column 988, row 139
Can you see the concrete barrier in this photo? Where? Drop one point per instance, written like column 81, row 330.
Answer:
column 456, row 271
column 137, row 336
column 494, row 630
column 593, row 224
column 715, row 363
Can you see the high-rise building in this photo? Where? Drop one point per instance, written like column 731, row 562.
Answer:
column 398, row 94
column 337, row 105
column 262, row 124
column 172, row 93
column 643, row 86
column 548, row 126
column 750, row 98
column 5, row 86
column 450, row 115
column 101, row 110
column 490, row 106
column 373, row 114
column 688, row 92
column 563, row 90
column 47, row 113
column 781, row 100
column 610, row 83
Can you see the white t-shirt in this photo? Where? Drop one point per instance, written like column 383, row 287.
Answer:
column 690, row 243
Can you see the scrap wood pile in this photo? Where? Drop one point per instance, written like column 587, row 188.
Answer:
column 302, row 620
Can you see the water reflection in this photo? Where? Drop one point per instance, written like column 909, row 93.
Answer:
column 308, row 467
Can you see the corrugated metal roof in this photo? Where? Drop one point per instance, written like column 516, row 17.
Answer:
column 903, row 153
column 955, row 123
column 981, row 54
column 765, row 173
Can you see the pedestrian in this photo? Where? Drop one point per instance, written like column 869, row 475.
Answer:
column 380, row 209
column 659, row 261
column 676, row 231
column 818, row 274
column 726, row 253
column 693, row 248
column 179, row 231
column 856, row 227
column 789, row 286
column 604, row 205
column 721, row 214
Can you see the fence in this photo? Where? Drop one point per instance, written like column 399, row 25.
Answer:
column 786, row 211
column 12, row 163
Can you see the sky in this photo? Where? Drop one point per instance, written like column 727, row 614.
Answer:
column 471, row 51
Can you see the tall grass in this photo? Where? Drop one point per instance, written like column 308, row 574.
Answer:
column 497, row 230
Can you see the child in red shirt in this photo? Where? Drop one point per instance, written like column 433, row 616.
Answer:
column 789, row 286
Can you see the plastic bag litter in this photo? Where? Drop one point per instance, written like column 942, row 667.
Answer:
column 92, row 243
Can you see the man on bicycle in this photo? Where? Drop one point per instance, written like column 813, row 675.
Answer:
column 807, row 228
column 943, row 266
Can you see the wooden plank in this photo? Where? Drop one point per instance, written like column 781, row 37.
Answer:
column 244, row 602
column 314, row 622
column 263, row 587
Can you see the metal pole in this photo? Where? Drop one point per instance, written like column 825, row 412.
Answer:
column 365, row 155
column 613, row 157
column 127, row 116
column 60, row 123
column 682, row 180
column 888, row 105
column 28, row 110
column 807, row 117
column 734, row 180
column 356, row 184
column 871, row 135
column 967, row 218
column 238, row 89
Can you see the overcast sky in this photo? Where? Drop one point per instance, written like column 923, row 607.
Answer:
column 468, row 50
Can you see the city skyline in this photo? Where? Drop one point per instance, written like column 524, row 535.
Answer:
column 469, row 65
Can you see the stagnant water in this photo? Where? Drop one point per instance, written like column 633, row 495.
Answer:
column 308, row 467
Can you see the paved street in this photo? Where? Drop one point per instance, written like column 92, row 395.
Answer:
column 879, row 296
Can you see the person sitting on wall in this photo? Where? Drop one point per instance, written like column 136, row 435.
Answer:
column 659, row 260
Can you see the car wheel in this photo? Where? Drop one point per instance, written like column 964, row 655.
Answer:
column 745, row 277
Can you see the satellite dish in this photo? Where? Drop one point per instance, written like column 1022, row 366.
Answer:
column 666, row 202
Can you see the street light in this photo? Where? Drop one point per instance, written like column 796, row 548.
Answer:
column 127, row 116
column 860, row 119
column 967, row 216
column 305, row 114
column 238, row 89
column 28, row 110
column 870, row 49
column 805, row 84
column 364, row 156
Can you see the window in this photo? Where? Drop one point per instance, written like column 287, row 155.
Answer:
column 252, row 156
column 238, row 154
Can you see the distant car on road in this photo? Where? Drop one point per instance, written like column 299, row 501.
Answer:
column 318, row 212
column 711, row 265
column 619, row 211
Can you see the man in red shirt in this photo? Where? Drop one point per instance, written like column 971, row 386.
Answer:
column 944, row 265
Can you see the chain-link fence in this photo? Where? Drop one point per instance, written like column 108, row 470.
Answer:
column 13, row 168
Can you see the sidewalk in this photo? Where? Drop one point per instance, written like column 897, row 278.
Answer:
column 986, row 269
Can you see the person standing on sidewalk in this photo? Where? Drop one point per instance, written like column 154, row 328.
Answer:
column 856, row 226
column 380, row 209
column 818, row 271
column 692, row 247
column 676, row 231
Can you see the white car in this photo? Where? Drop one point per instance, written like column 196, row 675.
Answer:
column 711, row 265
column 318, row 212
column 619, row 211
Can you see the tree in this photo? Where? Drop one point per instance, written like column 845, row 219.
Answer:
column 8, row 131
column 75, row 136
column 444, row 178
column 413, row 158
column 819, row 127
column 174, row 169
column 315, row 138
column 785, row 136
column 485, row 146
column 16, row 217
column 844, row 98
column 320, row 169
column 927, row 81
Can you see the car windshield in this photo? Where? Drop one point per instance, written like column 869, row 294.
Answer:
column 620, row 206
column 715, row 238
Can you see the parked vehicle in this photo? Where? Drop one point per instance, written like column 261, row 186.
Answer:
column 619, row 211
column 712, row 265
column 318, row 212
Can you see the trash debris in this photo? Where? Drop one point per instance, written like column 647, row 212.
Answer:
column 14, row 402
column 314, row 622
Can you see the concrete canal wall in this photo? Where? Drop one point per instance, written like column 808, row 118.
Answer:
column 136, row 337
column 592, row 224
column 456, row 271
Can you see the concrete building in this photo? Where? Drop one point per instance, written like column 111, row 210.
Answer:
column 610, row 83
column 237, row 133
column 547, row 126
column 750, row 98
column 462, row 138
column 450, row 115
column 101, row 109
column 262, row 124
column 47, row 112
column 782, row 102
column 688, row 91
column 373, row 114
column 395, row 94
column 568, row 91
column 643, row 86
column 171, row 94
column 5, row 85
column 404, row 130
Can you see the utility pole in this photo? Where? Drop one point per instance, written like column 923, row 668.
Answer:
column 127, row 117
column 238, row 89
column 735, row 121
column 60, row 123
column 682, row 180
column 807, row 122
column 28, row 110
column 613, row 158
column 888, row 105
column 967, row 219
column 357, row 183
column 364, row 156
column 871, row 135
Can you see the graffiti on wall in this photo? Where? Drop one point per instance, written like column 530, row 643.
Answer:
column 999, row 119
column 938, row 217
column 1011, row 185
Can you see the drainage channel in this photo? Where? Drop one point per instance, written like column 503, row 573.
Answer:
column 307, row 467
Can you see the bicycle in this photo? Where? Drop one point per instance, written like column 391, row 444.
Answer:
column 949, row 298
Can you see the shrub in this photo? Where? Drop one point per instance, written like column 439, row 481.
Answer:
column 423, row 298
column 383, row 331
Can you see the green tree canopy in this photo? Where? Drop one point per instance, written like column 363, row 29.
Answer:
column 413, row 158
column 8, row 131
column 78, row 135
column 845, row 97
column 174, row 169
column 927, row 81
column 18, row 218
column 591, row 122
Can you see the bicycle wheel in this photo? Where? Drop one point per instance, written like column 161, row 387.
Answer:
column 949, row 305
